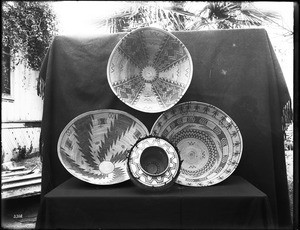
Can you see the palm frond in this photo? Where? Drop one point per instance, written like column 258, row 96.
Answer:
column 174, row 16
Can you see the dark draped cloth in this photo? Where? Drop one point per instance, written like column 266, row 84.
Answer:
column 233, row 204
column 234, row 70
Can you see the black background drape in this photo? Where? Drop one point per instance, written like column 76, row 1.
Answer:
column 234, row 70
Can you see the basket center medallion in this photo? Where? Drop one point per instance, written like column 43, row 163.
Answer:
column 149, row 73
column 106, row 167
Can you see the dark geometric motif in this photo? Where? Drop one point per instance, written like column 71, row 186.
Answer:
column 117, row 130
column 119, row 157
column 202, row 136
column 112, row 67
column 185, row 108
column 83, row 132
column 172, row 125
column 197, row 108
column 234, row 134
column 191, row 119
column 75, row 167
column 224, row 159
column 102, row 121
column 217, row 130
column 206, row 109
column 137, row 134
column 219, row 169
column 69, row 144
column 127, row 57
column 171, row 52
column 166, row 91
column 165, row 133
column 229, row 125
column 215, row 113
column 130, row 80
column 222, row 121
column 221, row 136
column 201, row 120
column 179, row 121
column 228, row 171
column 118, row 173
column 187, row 72
column 236, row 144
column 236, row 153
column 152, row 40
column 134, row 47
column 223, row 140
column 129, row 90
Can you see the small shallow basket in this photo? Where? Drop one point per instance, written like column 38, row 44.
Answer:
column 95, row 145
column 150, row 70
column 208, row 140
column 153, row 163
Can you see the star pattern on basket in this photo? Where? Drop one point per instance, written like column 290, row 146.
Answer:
column 161, row 60
column 219, row 127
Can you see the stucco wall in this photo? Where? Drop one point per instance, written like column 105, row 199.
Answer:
column 23, row 106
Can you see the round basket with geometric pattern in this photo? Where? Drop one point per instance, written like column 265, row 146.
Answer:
column 150, row 69
column 153, row 164
column 209, row 142
column 95, row 145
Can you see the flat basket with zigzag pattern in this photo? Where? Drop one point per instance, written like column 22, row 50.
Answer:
column 95, row 145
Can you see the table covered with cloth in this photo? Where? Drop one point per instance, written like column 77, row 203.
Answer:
column 234, row 70
column 234, row 203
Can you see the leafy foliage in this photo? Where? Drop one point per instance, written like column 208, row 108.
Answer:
column 21, row 152
column 141, row 14
column 27, row 31
column 230, row 15
column 175, row 16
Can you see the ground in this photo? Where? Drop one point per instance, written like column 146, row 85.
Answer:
column 289, row 169
column 19, row 213
column 30, row 163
